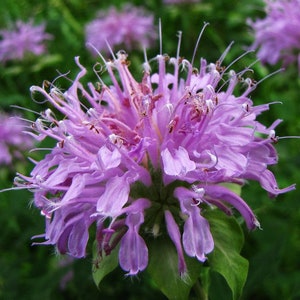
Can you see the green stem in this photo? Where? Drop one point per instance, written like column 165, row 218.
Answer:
column 199, row 291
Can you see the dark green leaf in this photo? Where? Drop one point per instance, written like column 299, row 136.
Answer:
column 226, row 258
column 104, row 265
column 163, row 269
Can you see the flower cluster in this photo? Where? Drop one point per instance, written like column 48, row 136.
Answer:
column 278, row 35
column 132, row 27
column 24, row 38
column 12, row 139
column 148, row 156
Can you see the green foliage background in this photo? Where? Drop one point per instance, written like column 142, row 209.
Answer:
column 33, row 272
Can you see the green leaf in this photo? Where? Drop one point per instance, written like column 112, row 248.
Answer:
column 104, row 265
column 234, row 187
column 226, row 259
column 45, row 61
column 163, row 269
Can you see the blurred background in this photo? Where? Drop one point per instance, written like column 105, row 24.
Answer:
column 36, row 272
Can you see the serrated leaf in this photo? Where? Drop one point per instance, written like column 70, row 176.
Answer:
column 226, row 259
column 104, row 265
column 163, row 269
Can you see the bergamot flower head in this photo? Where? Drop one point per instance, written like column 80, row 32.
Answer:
column 24, row 38
column 13, row 141
column 130, row 26
column 138, row 158
column 277, row 36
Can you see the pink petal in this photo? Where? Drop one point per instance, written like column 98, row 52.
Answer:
column 177, row 163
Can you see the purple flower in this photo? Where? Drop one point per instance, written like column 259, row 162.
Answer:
column 197, row 239
column 131, row 27
column 24, row 38
column 13, row 140
column 175, row 236
column 134, row 155
column 132, row 242
column 277, row 36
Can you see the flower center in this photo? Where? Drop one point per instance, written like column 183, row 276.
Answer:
column 161, row 197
